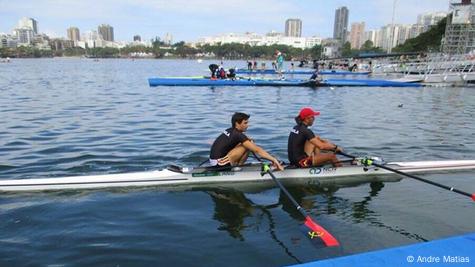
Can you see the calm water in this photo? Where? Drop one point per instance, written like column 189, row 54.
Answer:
column 61, row 117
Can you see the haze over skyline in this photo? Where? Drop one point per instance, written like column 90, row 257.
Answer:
column 190, row 20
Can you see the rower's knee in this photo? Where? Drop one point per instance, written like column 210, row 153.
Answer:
column 238, row 154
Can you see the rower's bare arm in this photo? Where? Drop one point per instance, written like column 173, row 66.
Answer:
column 261, row 152
column 323, row 140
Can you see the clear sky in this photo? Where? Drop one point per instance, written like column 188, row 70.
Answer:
column 190, row 19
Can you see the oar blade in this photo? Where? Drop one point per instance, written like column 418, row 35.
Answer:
column 316, row 231
column 473, row 197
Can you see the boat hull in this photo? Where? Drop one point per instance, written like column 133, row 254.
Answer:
column 181, row 179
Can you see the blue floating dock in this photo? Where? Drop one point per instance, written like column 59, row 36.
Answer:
column 206, row 81
column 454, row 251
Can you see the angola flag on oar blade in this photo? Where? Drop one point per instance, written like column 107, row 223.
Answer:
column 316, row 231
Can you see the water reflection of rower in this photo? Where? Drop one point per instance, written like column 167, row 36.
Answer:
column 233, row 207
column 305, row 195
column 301, row 195
column 240, row 216
column 230, row 209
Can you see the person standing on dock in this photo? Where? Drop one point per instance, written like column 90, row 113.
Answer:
column 213, row 68
column 232, row 147
column 305, row 148
column 280, row 63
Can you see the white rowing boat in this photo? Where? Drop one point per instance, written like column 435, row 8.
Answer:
column 176, row 178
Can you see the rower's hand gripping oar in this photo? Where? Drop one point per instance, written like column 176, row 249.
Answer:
column 368, row 162
column 315, row 229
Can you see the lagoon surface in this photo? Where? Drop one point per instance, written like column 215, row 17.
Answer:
column 63, row 117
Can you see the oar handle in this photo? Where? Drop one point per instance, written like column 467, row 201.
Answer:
column 450, row 188
column 346, row 155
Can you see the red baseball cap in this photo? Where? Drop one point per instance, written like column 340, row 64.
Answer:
column 307, row 112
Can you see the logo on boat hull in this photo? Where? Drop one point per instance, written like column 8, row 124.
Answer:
column 322, row 170
column 207, row 174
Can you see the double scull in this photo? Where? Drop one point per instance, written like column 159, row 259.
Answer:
column 179, row 178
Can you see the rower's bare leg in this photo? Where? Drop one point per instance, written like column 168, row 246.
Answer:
column 324, row 158
column 319, row 158
column 238, row 155
column 310, row 149
column 244, row 157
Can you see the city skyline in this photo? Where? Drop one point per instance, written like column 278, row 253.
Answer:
column 156, row 18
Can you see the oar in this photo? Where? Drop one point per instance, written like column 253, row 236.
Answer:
column 315, row 229
column 368, row 162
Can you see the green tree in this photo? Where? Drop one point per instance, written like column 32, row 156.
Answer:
column 367, row 46
column 102, row 52
column 6, row 52
column 316, row 51
column 74, row 51
column 346, row 50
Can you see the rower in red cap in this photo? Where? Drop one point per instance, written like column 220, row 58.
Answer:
column 305, row 149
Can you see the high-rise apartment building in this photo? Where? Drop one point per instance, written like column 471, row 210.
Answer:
column 106, row 31
column 357, row 34
column 28, row 23
column 73, row 34
column 24, row 35
column 137, row 38
column 340, row 28
column 293, row 28
column 373, row 36
column 393, row 35
column 430, row 19
column 416, row 29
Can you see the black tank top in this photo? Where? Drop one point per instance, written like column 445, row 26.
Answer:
column 225, row 142
column 296, row 145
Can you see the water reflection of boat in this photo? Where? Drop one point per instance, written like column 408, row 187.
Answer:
column 240, row 215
